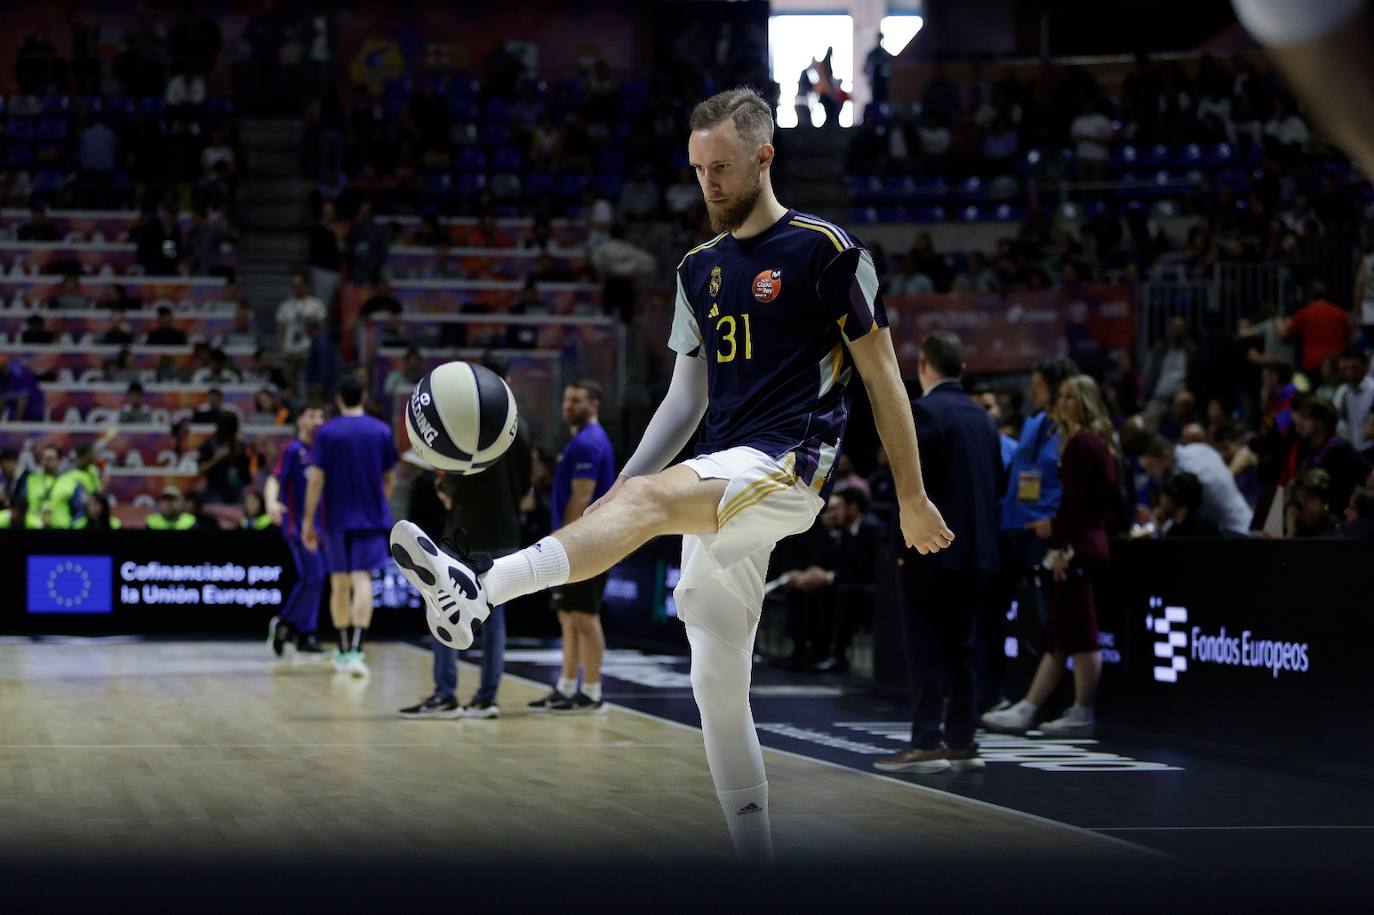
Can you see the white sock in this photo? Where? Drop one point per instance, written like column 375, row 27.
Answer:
column 593, row 690
column 1025, row 705
column 746, row 814
column 534, row 568
column 567, row 685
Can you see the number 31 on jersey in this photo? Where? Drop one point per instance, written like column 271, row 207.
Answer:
column 725, row 330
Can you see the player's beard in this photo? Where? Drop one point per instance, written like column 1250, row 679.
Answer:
column 730, row 215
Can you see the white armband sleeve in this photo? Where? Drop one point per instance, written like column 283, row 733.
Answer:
column 675, row 419
column 1289, row 22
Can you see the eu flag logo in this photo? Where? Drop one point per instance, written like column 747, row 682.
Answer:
column 71, row 584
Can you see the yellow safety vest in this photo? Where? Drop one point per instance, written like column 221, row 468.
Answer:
column 160, row 522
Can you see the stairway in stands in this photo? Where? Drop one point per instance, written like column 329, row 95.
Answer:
column 274, row 215
column 810, row 174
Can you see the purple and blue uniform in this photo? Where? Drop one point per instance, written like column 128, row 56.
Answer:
column 302, row 608
column 588, row 456
column 355, row 516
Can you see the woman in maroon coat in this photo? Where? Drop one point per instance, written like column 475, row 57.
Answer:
column 1078, row 553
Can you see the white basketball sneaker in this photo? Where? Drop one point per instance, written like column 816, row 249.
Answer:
column 1077, row 721
column 1015, row 720
column 454, row 596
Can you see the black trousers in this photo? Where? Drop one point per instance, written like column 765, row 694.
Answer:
column 937, row 627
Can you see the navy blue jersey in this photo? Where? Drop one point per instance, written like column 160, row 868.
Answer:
column 772, row 316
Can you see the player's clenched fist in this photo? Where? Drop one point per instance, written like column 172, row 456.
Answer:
column 922, row 527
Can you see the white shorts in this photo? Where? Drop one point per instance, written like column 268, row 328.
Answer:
column 763, row 503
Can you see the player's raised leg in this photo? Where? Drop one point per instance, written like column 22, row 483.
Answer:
column 461, row 588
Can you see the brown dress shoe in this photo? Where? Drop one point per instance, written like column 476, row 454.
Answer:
column 914, row 760
column 965, row 759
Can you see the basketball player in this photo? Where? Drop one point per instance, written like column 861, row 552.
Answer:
column 585, row 472
column 285, row 497
column 351, row 473
column 772, row 318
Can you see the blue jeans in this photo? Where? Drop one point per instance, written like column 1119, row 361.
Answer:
column 492, row 637
column 302, row 609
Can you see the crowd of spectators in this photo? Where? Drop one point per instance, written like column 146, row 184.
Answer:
column 98, row 131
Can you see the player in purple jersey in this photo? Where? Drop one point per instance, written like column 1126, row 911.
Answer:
column 786, row 287
column 352, row 470
column 585, row 472
column 285, row 497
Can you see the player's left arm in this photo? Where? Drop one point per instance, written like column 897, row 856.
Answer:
column 388, row 482
column 848, row 289
column 582, row 490
column 314, row 489
column 922, row 526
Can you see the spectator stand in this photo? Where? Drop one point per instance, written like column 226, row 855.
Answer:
column 181, row 293
column 84, row 257
column 96, row 403
column 83, row 225
column 464, row 296
column 61, row 363
column 85, row 327
column 420, row 262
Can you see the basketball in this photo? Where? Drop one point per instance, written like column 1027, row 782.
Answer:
column 461, row 418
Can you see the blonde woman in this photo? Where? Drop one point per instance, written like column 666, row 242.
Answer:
column 1078, row 552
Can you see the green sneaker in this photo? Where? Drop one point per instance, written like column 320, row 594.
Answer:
column 357, row 664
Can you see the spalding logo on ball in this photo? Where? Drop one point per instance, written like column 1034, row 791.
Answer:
column 461, row 418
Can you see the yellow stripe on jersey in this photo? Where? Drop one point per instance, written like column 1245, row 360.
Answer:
column 839, row 246
column 701, row 247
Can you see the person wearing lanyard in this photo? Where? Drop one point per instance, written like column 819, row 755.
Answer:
column 1028, row 505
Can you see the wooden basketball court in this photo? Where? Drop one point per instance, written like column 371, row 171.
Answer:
column 217, row 748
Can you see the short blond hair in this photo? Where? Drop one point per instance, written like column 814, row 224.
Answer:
column 744, row 106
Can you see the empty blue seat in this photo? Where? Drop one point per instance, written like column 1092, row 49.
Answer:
column 47, row 181
column 470, row 158
column 470, row 182
column 608, row 186
column 1189, row 156
column 863, row 215
column 1007, row 212
column 898, row 189
column 463, row 109
column 495, row 134
column 18, row 129
column 1217, row 154
column 571, row 185
column 54, row 106
column 930, row 188
column 152, row 105
column 538, row 183
column 1126, row 156
column 894, row 214
column 928, row 214
column 972, row 188
column 1158, row 155
column 497, row 110
column 506, row 159
column 19, row 156
column 971, row 214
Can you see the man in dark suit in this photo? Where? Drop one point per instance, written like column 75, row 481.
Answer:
column 961, row 462
column 854, row 549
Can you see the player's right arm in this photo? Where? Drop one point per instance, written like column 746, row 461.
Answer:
column 680, row 412
column 672, row 426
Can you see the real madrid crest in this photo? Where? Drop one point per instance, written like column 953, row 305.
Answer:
column 715, row 281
